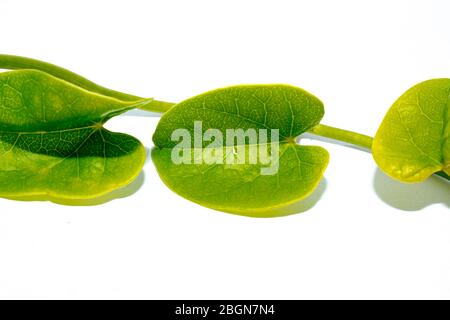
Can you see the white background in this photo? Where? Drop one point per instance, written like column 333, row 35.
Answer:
column 364, row 235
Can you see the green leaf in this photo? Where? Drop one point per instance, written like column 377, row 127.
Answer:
column 11, row 62
column 52, row 140
column 242, row 188
column 413, row 141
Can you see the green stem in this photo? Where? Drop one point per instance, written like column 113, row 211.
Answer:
column 443, row 175
column 11, row 62
column 354, row 138
column 16, row 62
column 158, row 106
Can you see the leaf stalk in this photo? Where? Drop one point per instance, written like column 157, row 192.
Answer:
column 11, row 62
column 351, row 137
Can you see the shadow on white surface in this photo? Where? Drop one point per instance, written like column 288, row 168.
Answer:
column 411, row 197
column 123, row 192
column 141, row 113
column 148, row 158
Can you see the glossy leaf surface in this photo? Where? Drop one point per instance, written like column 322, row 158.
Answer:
column 241, row 188
column 413, row 141
column 52, row 140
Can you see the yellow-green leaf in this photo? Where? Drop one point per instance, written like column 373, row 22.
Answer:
column 241, row 187
column 413, row 141
column 53, row 143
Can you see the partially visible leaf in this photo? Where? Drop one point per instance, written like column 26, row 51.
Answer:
column 287, row 108
column 413, row 141
column 10, row 62
column 52, row 140
column 241, row 188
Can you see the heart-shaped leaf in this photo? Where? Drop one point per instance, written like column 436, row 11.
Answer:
column 413, row 141
column 52, row 140
column 250, row 188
